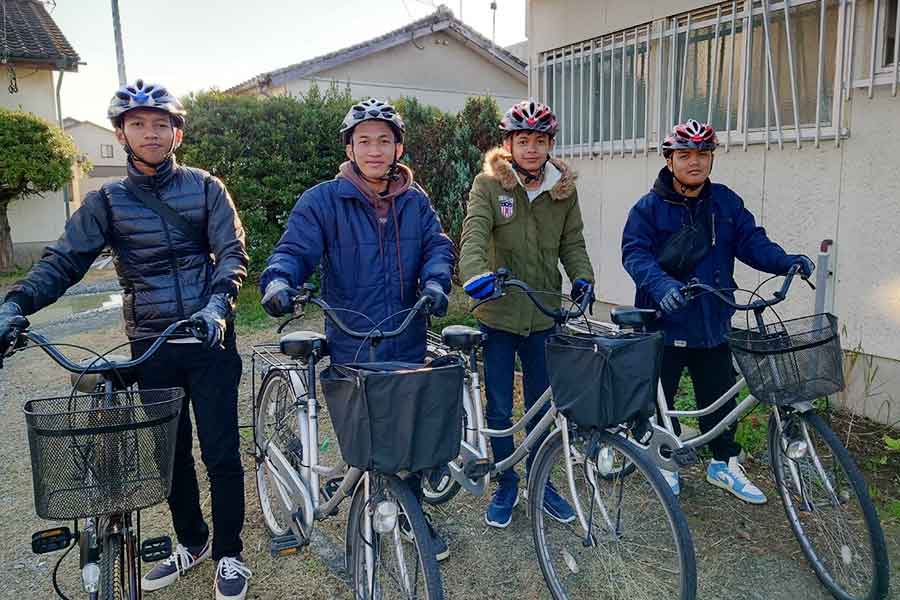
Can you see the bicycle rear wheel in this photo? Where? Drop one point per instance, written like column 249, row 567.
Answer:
column 639, row 546
column 828, row 506
column 400, row 562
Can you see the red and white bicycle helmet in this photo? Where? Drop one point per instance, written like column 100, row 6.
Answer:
column 690, row 135
column 529, row 115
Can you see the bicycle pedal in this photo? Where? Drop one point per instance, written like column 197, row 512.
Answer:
column 155, row 549
column 285, row 545
column 685, row 456
column 51, row 540
column 478, row 468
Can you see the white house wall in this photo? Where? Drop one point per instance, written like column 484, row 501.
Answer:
column 36, row 220
column 440, row 75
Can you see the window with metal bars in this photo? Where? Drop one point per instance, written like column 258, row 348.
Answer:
column 760, row 71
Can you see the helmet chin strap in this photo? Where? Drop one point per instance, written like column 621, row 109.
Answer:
column 392, row 174
column 528, row 175
column 134, row 156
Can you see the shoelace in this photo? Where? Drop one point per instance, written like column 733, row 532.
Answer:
column 738, row 473
column 181, row 558
column 231, row 568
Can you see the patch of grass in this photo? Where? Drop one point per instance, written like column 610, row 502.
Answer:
column 249, row 314
column 10, row 277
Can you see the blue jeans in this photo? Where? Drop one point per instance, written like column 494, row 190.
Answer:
column 500, row 351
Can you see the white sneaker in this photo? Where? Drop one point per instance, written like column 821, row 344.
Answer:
column 672, row 479
column 733, row 478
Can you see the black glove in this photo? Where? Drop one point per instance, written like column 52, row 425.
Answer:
column 210, row 321
column 439, row 301
column 278, row 300
column 673, row 301
column 807, row 266
column 11, row 321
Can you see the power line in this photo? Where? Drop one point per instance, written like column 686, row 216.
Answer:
column 409, row 12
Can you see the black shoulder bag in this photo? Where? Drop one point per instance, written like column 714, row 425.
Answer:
column 168, row 214
column 685, row 249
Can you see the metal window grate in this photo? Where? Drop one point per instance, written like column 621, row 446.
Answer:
column 763, row 72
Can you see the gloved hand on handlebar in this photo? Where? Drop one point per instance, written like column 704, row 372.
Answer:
column 278, row 300
column 439, row 301
column 11, row 319
column 481, row 286
column 211, row 321
column 673, row 301
column 807, row 266
column 580, row 287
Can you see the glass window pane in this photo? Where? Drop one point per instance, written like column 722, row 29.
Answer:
column 890, row 31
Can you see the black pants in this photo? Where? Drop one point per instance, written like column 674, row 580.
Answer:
column 210, row 380
column 712, row 372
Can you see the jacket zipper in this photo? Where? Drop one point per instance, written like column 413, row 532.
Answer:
column 173, row 261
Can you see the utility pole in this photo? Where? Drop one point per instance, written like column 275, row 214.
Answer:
column 120, row 53
column 494, row 31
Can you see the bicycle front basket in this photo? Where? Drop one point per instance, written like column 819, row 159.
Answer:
column 393, row 417
column 605, row 379
column 98, row 454
column 791, row 361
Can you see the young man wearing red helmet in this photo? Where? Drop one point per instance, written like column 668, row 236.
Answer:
column 523, row 214
column 684, row 201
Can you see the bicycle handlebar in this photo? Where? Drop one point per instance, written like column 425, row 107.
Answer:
column 693, row 288
column 102, row 364
column 560, row 317
column 306, row 296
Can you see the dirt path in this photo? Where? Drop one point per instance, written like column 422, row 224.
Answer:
column 743, row 552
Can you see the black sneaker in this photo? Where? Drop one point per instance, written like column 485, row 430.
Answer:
column 182, row 560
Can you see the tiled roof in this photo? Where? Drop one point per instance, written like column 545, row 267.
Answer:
column 29, row 34
column 442, row 19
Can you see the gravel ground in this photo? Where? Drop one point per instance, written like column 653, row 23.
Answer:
column 743, row 552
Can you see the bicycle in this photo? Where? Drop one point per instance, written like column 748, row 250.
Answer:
column 788, row 365
column 629, row 538
column 101, row 456
column 385, row 519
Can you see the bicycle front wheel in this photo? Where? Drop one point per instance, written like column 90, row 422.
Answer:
column 112, row 579
column 634, row 542
column 828, row 506
column 392, row 558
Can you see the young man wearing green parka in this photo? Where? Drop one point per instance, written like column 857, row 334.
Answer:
column 523, row 215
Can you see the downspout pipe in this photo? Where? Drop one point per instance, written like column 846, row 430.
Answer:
column 66, row 199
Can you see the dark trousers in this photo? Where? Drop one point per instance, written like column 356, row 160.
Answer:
column 500, row 350
column 712, row 373
column 210, row 380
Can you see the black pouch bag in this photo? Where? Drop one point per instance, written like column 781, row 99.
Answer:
column 393, row 417
column 599, row 381
column 683, row 251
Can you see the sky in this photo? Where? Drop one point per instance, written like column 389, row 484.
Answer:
column 191, row 45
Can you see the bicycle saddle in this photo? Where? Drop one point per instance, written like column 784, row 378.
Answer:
column 633, row 318
column 88, row 383
column 460, row 337
column 300, row 345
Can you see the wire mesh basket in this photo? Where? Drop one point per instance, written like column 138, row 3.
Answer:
column 100, row 453
column 792, row 361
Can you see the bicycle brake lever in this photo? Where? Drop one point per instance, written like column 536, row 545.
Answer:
column 808, row 282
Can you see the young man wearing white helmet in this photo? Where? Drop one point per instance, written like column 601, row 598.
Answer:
column 185, row 264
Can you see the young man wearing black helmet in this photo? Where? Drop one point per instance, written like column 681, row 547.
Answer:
column 523, row 214
column 187, row 266
column 687, row 227
column 378, row 241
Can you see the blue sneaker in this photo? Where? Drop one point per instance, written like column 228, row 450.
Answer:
column 231, row 578
column 499, row 511
column 730, row 476
column 556, row 506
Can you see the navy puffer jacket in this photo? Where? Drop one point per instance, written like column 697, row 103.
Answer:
column 659, row 215
column 162, row 284
column 375, row 269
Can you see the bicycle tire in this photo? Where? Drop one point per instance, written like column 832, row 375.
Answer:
column 269, row 502
column 427, row 563
column 878, row 589
column 549, row 453
column 111, row 572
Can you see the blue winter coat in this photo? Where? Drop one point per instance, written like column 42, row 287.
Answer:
column 335, row 226
column 660, row 214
